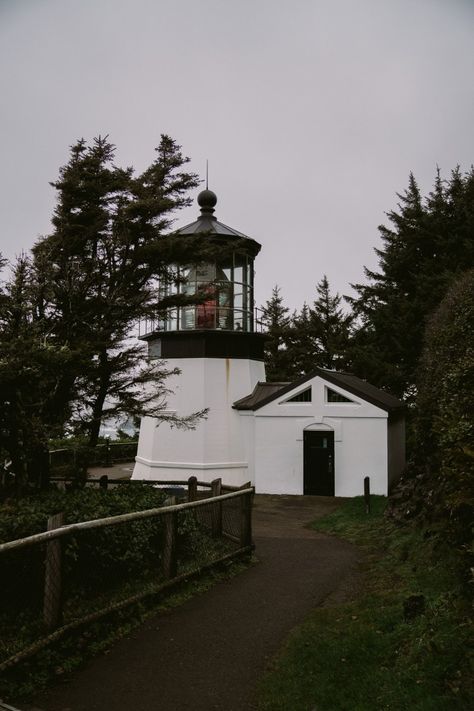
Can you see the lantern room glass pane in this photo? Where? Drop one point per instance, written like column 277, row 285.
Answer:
column 225, row 288
column 205, row 272
column 224, row 303
column 188, row 318
column 238, row 320
column 171, row 323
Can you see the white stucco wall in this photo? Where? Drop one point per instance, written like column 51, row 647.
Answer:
column 360, row 447
column 219, row 445
column 264, row 446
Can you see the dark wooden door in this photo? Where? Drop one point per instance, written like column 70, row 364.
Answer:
column 318, row 463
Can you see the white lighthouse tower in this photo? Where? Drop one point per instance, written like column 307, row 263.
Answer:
column 220, row 356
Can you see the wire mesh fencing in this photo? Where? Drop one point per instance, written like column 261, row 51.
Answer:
column 74, row 573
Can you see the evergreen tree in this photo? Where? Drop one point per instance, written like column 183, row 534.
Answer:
column 276, row 322
column 95, row 277
column 441, row 485
column 320, row 336
column 30, row 368
column 331, row 327
column 427, row 245
column 303, row 345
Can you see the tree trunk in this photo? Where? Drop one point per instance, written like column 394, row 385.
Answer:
column 98, row 408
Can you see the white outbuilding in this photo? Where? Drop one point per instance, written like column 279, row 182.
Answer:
column 321, row 435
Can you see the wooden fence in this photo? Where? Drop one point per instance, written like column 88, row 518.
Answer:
column 104, row 454
column 222, row 523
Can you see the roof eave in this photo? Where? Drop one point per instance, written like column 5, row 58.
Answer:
column 326, row 375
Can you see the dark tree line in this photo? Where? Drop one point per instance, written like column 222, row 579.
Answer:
column 317, row 336
column 379, row 335
column 410, row 330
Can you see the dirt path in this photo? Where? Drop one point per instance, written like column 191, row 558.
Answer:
column 209, row 653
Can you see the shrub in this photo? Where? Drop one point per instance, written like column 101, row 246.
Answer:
column 100, row 555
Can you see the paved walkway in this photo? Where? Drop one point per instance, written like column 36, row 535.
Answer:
column 209, row 653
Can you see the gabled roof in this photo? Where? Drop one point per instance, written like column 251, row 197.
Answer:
column 360, row 388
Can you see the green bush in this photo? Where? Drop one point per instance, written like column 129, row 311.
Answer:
column 91, row 557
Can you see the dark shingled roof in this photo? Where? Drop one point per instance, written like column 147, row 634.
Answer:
column 262, row 391
column 267, row 392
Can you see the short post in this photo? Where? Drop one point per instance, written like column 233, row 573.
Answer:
column 246, row 520
column 107, row 452
column 52, row 602
column 192, row 488
column 170, row 530
column 367, row 494
column 216, row 525
column 104, row 481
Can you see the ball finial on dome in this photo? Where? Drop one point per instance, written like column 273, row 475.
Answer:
column 207, row 200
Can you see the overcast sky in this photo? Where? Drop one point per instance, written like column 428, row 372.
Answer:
column 312, row 113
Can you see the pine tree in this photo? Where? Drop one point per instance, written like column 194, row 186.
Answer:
column 276, row 322
column 428, row 244
column 95, row 277
column 441, row 486
column 331, row 327
column 319, row 336
column 30, row 369
column 303, row 345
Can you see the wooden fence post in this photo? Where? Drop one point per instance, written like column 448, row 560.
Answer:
column 52, row 602
column 108, row 459
column 103, row 481
column 246, row 520
column 192, row 488
column 216, row 525
column 367, row 494
column 170, row 530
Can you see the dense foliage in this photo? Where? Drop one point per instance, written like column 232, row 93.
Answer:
column 104, row 554
column 442, row 490
column 66, row 315
column 317, row 336
column 95, row 276
column 428, row 244
column 276, row 323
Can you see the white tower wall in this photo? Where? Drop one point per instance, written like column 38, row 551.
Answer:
column 218, row 446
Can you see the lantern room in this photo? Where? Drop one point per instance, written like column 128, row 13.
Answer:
column 223, row 287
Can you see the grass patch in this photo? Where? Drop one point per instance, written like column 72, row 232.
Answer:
column 375, row 653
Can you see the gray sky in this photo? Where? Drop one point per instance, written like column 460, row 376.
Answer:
column 312, row 113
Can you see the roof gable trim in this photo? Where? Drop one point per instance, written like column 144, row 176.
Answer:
column 346, row 382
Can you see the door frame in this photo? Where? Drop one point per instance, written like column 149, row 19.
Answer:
column 331, row 435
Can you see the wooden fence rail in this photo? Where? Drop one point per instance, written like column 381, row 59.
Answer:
column 238, row 512
column 114, row 520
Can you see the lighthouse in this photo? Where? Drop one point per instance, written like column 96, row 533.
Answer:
column 214, row 345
